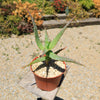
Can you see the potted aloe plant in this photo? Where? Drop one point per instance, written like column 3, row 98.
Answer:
column 48, row 68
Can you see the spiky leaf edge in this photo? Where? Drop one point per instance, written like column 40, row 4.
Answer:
column 38, row 42
column 47, row 41
column 40, row 59
column 56, row 39
column 56, row 57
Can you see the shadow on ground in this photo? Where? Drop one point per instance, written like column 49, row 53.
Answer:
column 56, row 98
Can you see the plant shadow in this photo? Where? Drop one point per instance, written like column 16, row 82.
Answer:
column 51, row 64
column 56, row 98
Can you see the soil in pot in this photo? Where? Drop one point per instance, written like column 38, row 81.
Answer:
column 51, row 80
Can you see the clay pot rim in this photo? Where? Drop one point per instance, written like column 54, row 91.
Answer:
column 49, row 77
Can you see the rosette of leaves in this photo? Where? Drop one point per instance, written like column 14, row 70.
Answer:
column 48, row 55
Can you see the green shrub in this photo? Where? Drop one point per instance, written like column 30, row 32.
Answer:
column 45, row 6
column 8, row 22
column 86, row 4
column 30, row 1
column 8, row 25
column 14, row 18
column 76, row 9
column 6, row 1
column 48, row 8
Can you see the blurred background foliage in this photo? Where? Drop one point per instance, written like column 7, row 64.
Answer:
column 14, row 18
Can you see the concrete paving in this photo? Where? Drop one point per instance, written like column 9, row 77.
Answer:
column 81, row 83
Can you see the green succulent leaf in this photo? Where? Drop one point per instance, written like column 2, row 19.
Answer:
column 40, row 59
column 38, row 42
column 56, row 57
column 56, row 39
column 47, row 41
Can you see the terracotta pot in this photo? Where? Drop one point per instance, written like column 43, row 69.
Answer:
column 47, row 84
column 97, row 3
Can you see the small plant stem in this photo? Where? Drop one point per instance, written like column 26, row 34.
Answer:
column 47, row 62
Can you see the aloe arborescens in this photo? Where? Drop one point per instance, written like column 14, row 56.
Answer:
column 48, row 54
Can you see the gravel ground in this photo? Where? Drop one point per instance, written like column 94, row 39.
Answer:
column 81, row 83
